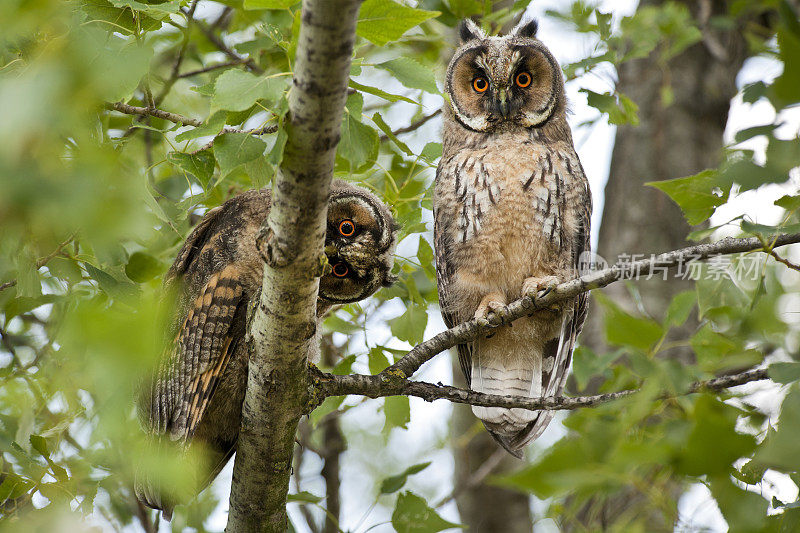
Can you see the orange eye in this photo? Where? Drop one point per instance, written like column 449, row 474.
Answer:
column 480, row 84
column 340, row 270
column 347, row 228
column 523, row 79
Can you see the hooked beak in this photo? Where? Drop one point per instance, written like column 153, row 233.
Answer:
column 502, row 103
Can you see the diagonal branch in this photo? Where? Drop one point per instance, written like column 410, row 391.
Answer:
column 471, row 329
column 282, row 327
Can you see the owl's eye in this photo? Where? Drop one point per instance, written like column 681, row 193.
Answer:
column 523, row 79
column 480, row 84
column 340, row 270
column 347, row 228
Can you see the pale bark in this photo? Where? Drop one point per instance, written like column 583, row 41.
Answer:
column 283, row 326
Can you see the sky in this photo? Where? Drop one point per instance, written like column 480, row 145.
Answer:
column 429, row 422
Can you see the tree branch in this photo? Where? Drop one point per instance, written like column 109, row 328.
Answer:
column 220, row 44
column 282, row 328
column 471, row 329
column 182, row 120
column 413, row 126
column 210, row 68
column 372, row 387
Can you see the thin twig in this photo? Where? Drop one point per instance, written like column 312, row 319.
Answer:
column 220, row 44
column 413, row 126
column 41, row 261
column 210, row 68
column 182, row 120
column 786, row 262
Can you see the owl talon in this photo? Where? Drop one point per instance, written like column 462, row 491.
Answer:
column 539, row 287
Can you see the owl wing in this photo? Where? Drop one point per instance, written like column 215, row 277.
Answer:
column 553, row 382
column 444, row 275
column 205, row 339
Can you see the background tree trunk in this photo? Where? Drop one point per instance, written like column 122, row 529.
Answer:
column 671, row 141
column 483, row 507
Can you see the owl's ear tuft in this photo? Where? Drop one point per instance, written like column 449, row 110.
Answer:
column 527, row 29
column 468, row 30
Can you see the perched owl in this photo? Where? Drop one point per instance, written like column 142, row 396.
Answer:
column 197, row 394
column 511, row 217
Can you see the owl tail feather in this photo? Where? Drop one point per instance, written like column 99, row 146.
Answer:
column 500, row 374
column 150, row 496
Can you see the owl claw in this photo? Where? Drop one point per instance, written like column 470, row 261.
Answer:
column 539, row 287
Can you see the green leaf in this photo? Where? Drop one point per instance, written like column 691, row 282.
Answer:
column 786, row 88
column 790, row 203
column 142, row 267
column 303, row 496
column 410, row 326
column 714, row 442
column 109, row 284
column 102, row 10
column 754, row 92
column 377, row 360
column 411, row 73
column 620, row 108
column 394, row 483
column 628, row 330
column 679, row 308
column 432, row 151
column 39, row 444
column 424, row 252
column 384, row 127
column 412, row 515
column 381, row 21
column 156, row 10
column 784, row 372
column 269, row 4
column 345, row 366
column 331, row 404
column 200, row 165
column 383, row 94
column 359, row 143
column 124, row 62
column 212, row 126
column 237, row 90
column 234, row 149
column 711, row 348
column 754, row 131
column 780, row 450
column 23, row 304
column 698, row 196
column 397, row 411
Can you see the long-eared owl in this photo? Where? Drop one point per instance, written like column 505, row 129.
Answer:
column 195, row 398
column 511, row 217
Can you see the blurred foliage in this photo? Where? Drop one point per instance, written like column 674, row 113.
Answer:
column 95, row 203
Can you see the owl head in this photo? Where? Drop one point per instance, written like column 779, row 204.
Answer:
column 359, row 243
column 495, row 83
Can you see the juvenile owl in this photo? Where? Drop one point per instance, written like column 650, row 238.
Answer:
column 197, row 394
column 511, row 217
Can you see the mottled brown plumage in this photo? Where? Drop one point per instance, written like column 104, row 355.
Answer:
column 511, row 217
column 197, row 393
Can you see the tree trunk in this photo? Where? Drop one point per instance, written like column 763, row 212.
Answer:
column 671, row 141
column 283, row 328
